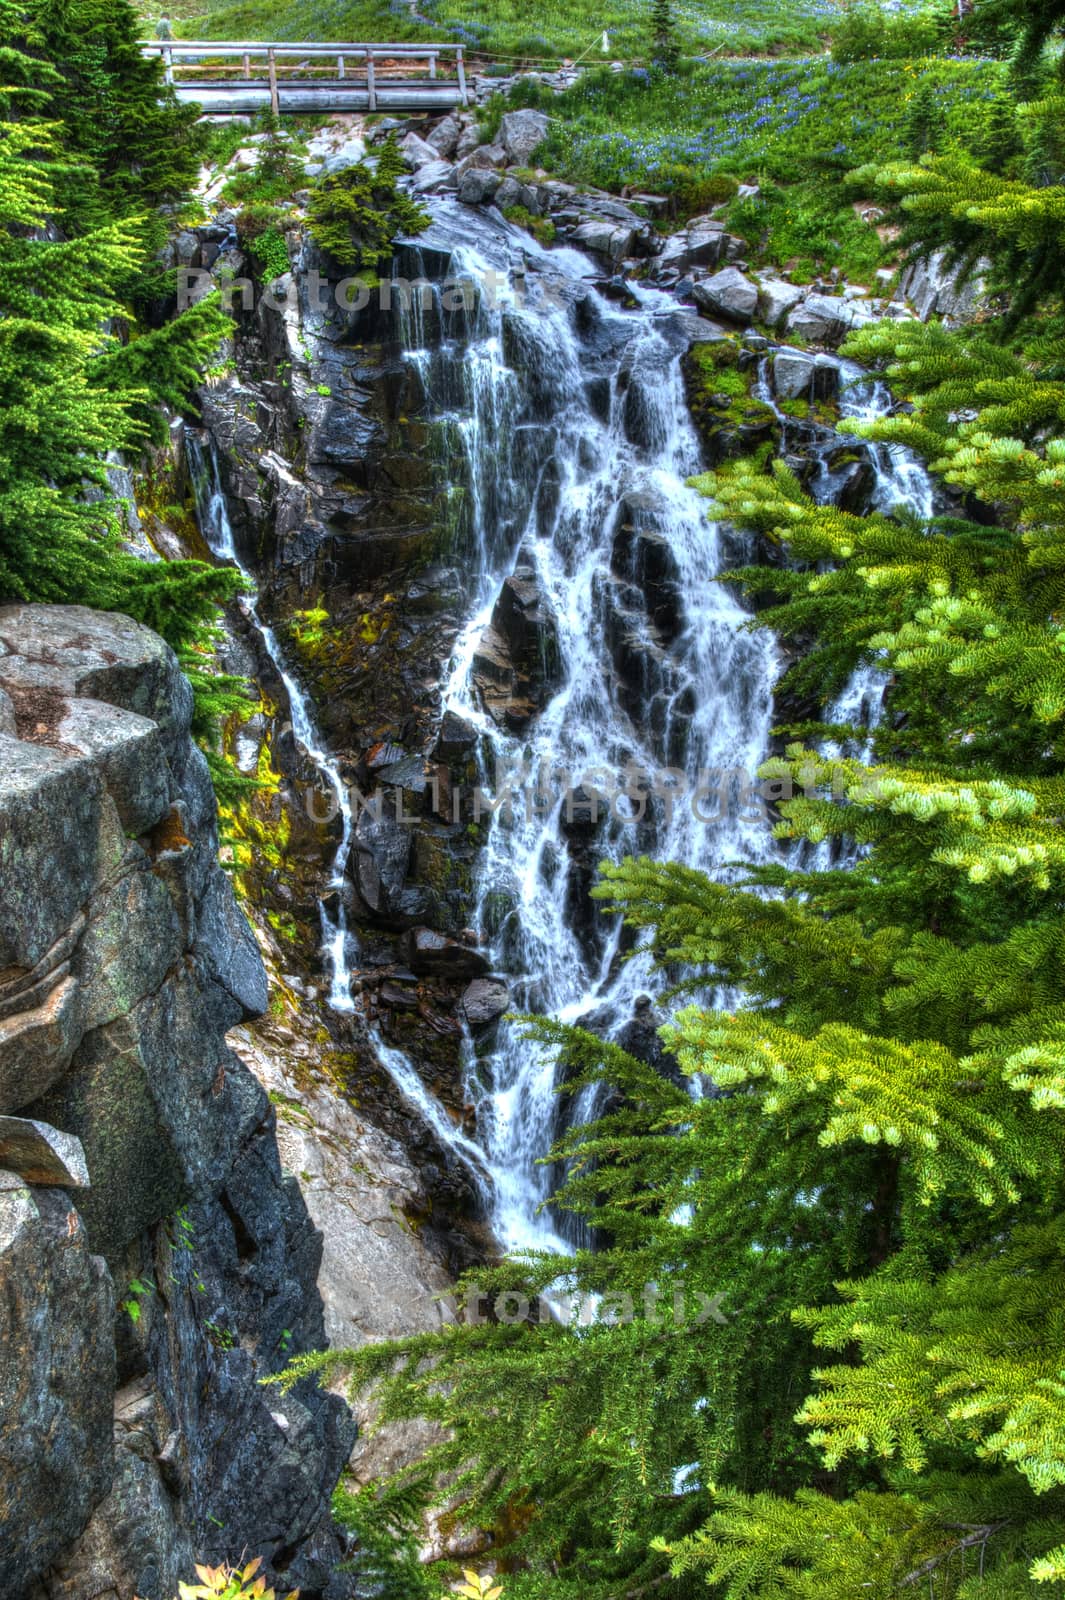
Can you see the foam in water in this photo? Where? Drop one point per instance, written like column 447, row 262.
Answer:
column 709, row 688
column 566, row 416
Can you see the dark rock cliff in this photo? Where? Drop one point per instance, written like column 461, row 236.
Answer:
column 138, row 1312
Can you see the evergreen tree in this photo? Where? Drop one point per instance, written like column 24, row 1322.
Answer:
column 356, row 215
column 873, row 1176
column 70, row 393
column 128, row 145
column 664, row 35
column 925, row 123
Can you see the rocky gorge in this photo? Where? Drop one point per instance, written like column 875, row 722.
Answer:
column 205, row 1172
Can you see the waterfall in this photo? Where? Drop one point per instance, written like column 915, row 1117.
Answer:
column 570, row 443
column 661, row 698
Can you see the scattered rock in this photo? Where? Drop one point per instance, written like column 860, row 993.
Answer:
column 604, row 238
column 381, row 856
column 522, row 132
column 432, row 177
column 444, row 137
column 478, row 185
column 483, row 1002
column 775, row 299
column 704, row 242
column 41, row 1154
column 432, row 954
column 419, row 152
column 939, row 290
column 485, row 156
column 802, row 375
column 821, row 319
column 729, row 294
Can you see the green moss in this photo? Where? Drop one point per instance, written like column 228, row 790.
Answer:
column 541, row 228
column 730, row 420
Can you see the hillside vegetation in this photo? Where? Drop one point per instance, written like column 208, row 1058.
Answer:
column 870, row 1180
column 551, row 30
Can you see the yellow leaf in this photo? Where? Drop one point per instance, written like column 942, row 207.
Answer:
column 472, row 1578
column 205, row 1574
column 252, row 1568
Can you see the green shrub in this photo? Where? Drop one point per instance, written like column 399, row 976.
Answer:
column 271, row 252
column 694, row 191
column 355, row 215
column 866, row 32
column 541, row 228
column 276, row 176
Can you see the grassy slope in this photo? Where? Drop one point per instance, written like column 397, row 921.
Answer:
column 551, row 29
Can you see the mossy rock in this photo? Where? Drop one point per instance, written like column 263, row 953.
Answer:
column 728, row 418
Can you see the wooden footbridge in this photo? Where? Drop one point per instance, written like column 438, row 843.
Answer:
column 241, row 76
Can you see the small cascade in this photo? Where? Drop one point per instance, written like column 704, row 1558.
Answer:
column 901, row 482
column 213, row 517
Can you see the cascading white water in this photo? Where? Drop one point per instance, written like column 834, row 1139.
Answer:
column 213, row 517
column 567, row 426
column 337, row 938
column 902, row 483
column 705, row 695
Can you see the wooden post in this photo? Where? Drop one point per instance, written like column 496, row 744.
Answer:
column 247, row 64
column 432, row 66
column 371, row 82
column 275, row 99
column 462, row 78
column 340, row 66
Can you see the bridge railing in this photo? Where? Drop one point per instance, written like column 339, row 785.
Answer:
column 209, row 61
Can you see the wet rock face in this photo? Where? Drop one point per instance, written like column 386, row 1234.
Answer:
column 123, row 961
column 516, row 663
column 57, row 1377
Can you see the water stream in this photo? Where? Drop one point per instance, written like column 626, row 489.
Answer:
column 568, row 429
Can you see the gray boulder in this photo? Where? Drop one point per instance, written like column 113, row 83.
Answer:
column 522, row 132
column 822, row 319
column 705, row 242
column 775, row 299
column 128, row 752
column 939, row 290
column 801, row 374
column 432, row 954
column 728, row 294
column 40, row 1154
column 418, row 152
column 484, row 156
column 673, row 256
column 444, row 138
column 432, row 177
column 483, row 1002
column 605, row 238
column 123, row 961
column 478, row 186
column 380, row 860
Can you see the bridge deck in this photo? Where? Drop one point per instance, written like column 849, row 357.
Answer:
column 232, row 97
column 313, row 77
